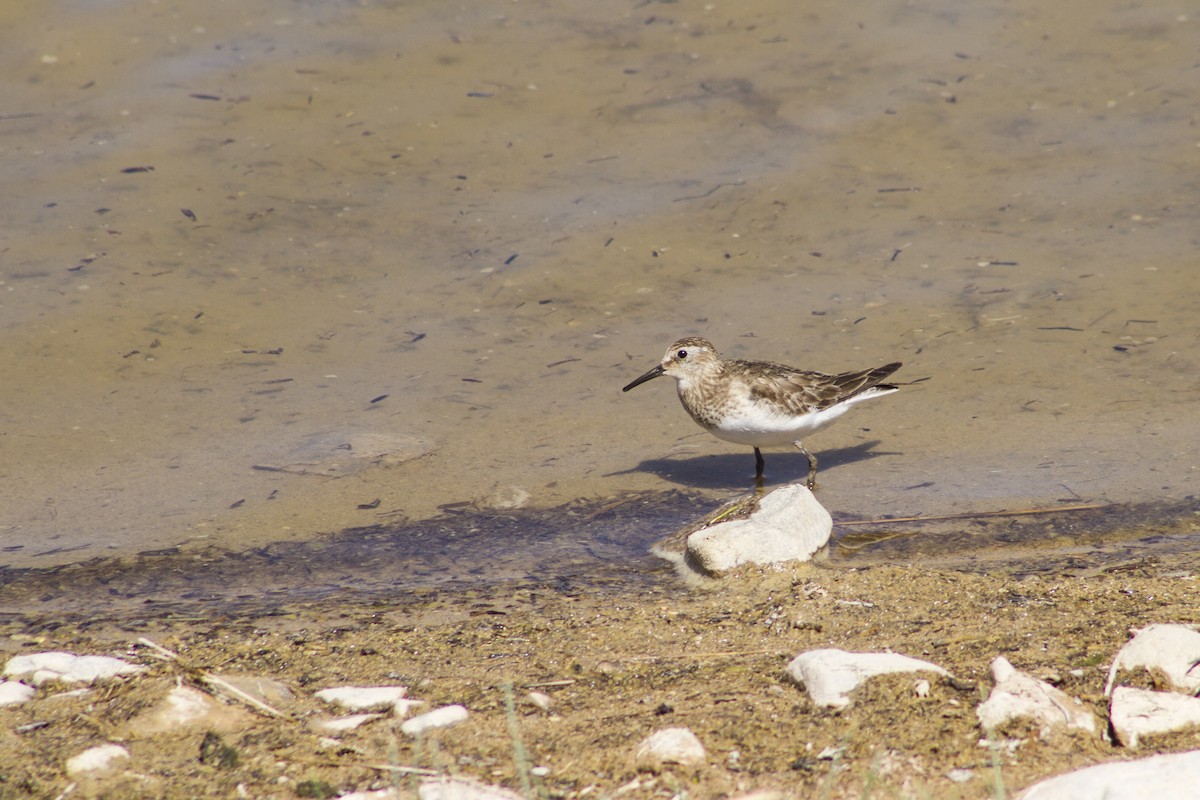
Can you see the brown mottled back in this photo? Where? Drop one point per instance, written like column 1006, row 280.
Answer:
column 806, row 390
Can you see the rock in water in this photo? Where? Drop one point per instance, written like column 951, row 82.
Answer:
column 788, row 525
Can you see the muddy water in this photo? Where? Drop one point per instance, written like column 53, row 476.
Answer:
column 272, row 270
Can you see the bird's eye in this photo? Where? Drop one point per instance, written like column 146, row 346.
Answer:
column 681, row 355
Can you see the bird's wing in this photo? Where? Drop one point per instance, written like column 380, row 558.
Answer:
column 802, row 391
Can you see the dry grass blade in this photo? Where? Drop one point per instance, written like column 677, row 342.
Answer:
column 1024, row 512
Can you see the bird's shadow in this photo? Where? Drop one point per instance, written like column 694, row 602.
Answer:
column 735, row 469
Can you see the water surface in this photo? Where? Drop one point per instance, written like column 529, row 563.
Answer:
column 274, row 270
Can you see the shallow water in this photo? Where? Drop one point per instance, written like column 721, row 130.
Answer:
column 273, row 270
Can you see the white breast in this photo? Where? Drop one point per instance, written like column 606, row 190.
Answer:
column 760, row 424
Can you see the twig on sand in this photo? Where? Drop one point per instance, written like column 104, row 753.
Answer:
column 1024, row 512
column 211, row 681
column 429, row 773
column 699, row 655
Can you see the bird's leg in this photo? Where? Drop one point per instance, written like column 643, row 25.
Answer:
column 759, row 464
column 811, row 483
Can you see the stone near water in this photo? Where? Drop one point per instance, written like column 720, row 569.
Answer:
column 1018, row 695
column 829, row 675
column 789, row 525
column 504, row 498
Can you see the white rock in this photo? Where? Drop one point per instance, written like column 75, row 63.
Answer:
column 343, row 724
column 89, row 669
column 451, row 788
column 438, row 718
column 1167, row 777
column 68, row 667
column 1140, row 712
column 29, row 663
column 830, row 674
column 669, row 746
column 96, row 759
column 14, row 692
column 363, row 698
column 789, row 525
column 184, row 709
column 1018, row 695
column 1174, row 649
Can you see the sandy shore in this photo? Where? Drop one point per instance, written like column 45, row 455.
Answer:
column 617, row 667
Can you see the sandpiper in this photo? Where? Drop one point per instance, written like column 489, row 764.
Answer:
column 759, row 403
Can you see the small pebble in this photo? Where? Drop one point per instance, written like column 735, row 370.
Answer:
column 960, row 775
column 539, row 699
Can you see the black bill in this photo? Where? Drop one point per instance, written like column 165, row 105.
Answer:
column 654, row 373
